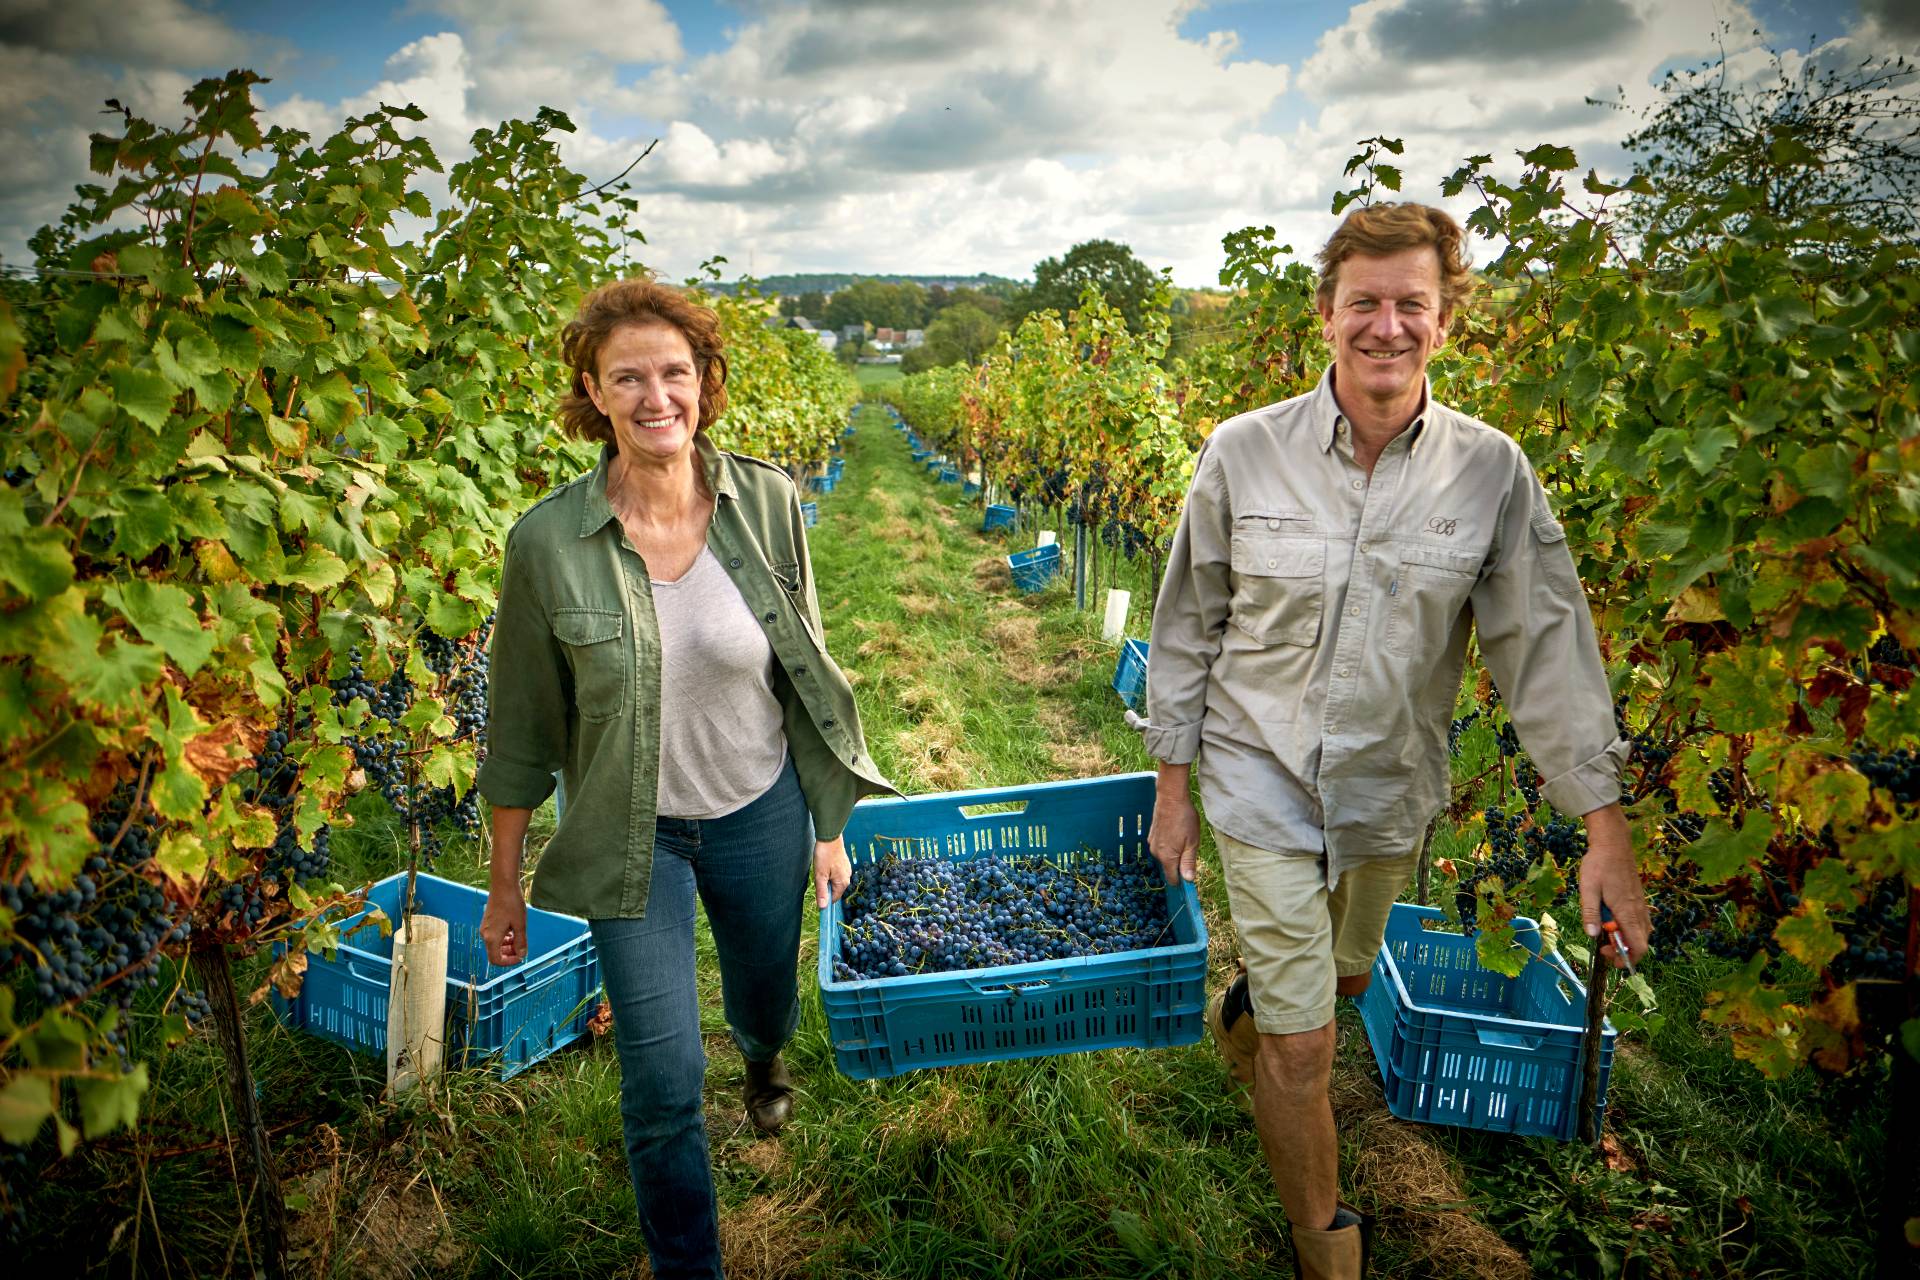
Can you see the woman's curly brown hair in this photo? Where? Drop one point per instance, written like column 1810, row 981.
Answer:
column 638, row 301
column 1383, row 229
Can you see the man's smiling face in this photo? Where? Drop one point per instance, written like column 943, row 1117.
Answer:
column 1384, row 323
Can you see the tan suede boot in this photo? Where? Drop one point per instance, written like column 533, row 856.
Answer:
column 1339, row 1254
column 1230, row 1019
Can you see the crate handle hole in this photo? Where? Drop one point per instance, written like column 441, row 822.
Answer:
column 1001, row 809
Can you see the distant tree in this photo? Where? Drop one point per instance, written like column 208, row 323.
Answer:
column 878, row 303
column 812, row 304
column 994, row 305
column 959, row 334
column 937, row 300
column 790, row 307
column 1199, row 319
column 1122, row 279
column 1814, row 142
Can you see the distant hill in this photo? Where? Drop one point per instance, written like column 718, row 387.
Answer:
column 832, row 282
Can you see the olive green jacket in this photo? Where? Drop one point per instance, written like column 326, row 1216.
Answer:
column 575, row 677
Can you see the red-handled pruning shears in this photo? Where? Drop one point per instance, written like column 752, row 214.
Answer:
column 1612, row 927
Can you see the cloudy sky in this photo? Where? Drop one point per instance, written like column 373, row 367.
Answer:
column 925, row 136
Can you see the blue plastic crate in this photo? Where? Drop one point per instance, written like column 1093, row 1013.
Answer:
column 809, row 514
column 1130, row 674
column 949, row 475
column 836, row 466
column 1459, row 1044
column 997, row 517
column 1130, row 999
column 968, row 489
column 822, row 484
column 512, row 1016
column 1033, row 569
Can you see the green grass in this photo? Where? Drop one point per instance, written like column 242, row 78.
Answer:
column 876, row 375
column 1118, row 1163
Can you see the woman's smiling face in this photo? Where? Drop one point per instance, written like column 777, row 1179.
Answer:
column 648, row 385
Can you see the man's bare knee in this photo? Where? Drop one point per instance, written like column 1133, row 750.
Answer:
column 1353, row 985
column 1300, row 1063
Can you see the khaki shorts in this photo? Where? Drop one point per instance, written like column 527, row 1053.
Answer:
column 1295, row 937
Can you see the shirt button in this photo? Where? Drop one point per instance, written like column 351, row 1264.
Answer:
column 1353, row 611
column 735, row 562
column 1273, row 564
column 772, row 616
column 798, row 672
column 1358, row 485
column 828, row 723
column 1365, row 547
column 1345, row 672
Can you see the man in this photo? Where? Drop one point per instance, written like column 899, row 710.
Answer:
column 1308, row 643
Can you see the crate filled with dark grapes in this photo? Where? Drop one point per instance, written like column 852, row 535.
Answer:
column 1009, row 923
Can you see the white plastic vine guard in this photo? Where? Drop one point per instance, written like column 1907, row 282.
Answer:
column 417, row 1004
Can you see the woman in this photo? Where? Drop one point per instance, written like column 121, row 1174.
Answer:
column 657, row 643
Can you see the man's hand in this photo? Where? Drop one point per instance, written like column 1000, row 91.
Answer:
column 1609, row 877
column 1174, row 837
column 831, row 870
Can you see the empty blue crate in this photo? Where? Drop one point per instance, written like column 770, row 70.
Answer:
column 1034, row 569
column 1130, row 673
column 511, row 1016
column 968, row 489
column 997, row 517
column 809, row 514
column 822, row 484
column 1143, row 999
column 1459, row 1044
column 949, row 475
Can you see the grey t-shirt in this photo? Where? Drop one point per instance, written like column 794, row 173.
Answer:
column 721, row 742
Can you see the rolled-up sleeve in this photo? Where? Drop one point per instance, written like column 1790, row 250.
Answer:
column 527, row 695
column 1189, row 617
column 1537, row 639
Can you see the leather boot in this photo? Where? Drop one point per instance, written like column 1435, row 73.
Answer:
column 768, row 1094
column 1230, row 1019
column 1340, row 1253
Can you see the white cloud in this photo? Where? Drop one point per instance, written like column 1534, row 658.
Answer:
column 141, row 32
column 897, row 135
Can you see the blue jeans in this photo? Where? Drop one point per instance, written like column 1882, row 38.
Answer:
column 750, row 869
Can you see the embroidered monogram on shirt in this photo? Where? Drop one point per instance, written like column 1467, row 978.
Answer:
column 1442, row 526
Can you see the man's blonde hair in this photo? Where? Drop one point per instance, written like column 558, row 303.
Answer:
column 1382, row 229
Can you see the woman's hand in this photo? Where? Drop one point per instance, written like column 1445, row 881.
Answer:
column 503, row 926
column 831, row 870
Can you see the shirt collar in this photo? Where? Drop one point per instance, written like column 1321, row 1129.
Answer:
column 597, row 510
column 1327, row 418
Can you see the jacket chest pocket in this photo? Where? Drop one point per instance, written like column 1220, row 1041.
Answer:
column 787, row 574
column 596, row 651
column 1279, row 586
column 1428, row 593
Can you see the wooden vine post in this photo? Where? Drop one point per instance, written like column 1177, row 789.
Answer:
column 1591, row 1046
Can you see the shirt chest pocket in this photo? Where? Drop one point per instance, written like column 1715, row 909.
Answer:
column 1279, row 586
column 1427, row 596
column 597, row 652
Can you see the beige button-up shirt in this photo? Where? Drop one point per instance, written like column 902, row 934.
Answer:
column 1311, row 632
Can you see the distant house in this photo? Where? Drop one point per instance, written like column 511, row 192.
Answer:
column 853, row 332
column 827, row 339
column 912, row 338
column 886, row 339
